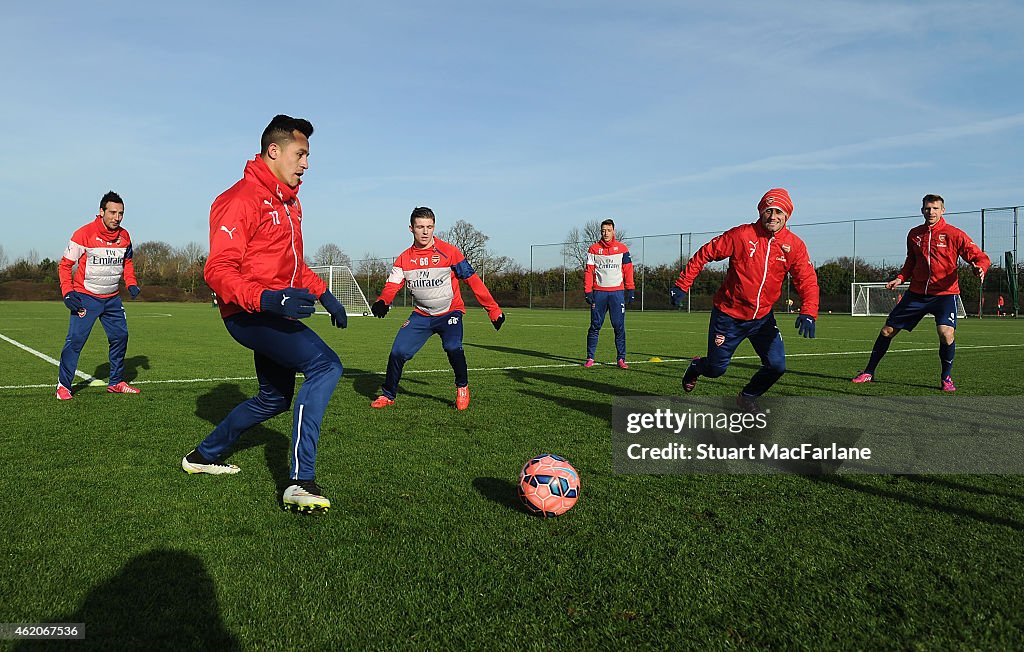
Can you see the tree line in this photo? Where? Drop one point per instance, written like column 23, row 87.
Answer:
column 176, row 273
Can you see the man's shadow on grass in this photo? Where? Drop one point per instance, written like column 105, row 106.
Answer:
column 161, row 600
column 854, row 483
column 131, row 371
column 963, row 486
column 601, row 408
column 216, row 404
column 131, row 368
column 365, row 383
column 530, row 352
column 792, row 374
column 368, row 384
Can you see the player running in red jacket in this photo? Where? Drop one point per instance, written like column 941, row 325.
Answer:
column 102, row 251
column 760, row 255
column 431, row 270
column 264, row 288
column 608, row 287
column 933, row 250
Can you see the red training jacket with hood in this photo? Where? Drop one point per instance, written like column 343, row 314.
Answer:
column 758, row 263
column 256, row 241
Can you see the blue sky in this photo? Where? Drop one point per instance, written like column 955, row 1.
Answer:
column 524, row 118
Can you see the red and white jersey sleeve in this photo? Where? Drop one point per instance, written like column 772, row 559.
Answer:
column 102, row 257
column 609, row 267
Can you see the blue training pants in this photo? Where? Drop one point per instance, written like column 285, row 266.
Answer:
column 110, row 312
column 411, row 337
column 725, row 334
column 614, row 303
column 281, row 348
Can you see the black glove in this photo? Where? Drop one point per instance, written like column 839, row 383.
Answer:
column 630, row 296
column 805, row 324
column 678, row 295
column 296, row 303
column 498, row 322
column 380, row 309
column 73, row 301
column 339, row 317
column 134, row 290
column 589, row 298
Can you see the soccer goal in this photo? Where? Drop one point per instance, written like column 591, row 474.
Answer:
column 342, row 284
column 874, row 299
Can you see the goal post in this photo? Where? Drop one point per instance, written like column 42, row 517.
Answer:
column 342, row 283
column 874, row 299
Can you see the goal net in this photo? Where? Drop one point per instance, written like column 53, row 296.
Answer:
column 342, row 284
column 873, row 299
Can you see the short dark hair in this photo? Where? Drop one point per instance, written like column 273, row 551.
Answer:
column 421, row 212
column 280, row 131
column 609, row 222
column 111, row 196
column 932, row 198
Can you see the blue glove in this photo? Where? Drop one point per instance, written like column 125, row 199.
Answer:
column 380, row 309
column 630, row 296
column 339, row 317
column 589, row 298
column 134, row 290
column 805, row 324
column 296, row 303
column 73, row 301
column 678, row 295
column 498, row 322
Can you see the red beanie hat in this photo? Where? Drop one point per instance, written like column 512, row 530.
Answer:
column 777, row 198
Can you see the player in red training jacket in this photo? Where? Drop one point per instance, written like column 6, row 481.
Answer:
column 102, row 250
column 933, row 250
column 431, row 269
column 760, row 255
column 264, row 288
column 608, row 287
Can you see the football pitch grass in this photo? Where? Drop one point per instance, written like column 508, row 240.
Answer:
column 425, row 546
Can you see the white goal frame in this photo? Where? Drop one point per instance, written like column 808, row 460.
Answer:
column 861, row 304
column 342, row 284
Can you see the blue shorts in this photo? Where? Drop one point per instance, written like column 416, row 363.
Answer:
column 913, row 307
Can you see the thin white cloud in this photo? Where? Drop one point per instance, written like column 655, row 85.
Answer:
column 822, row 159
